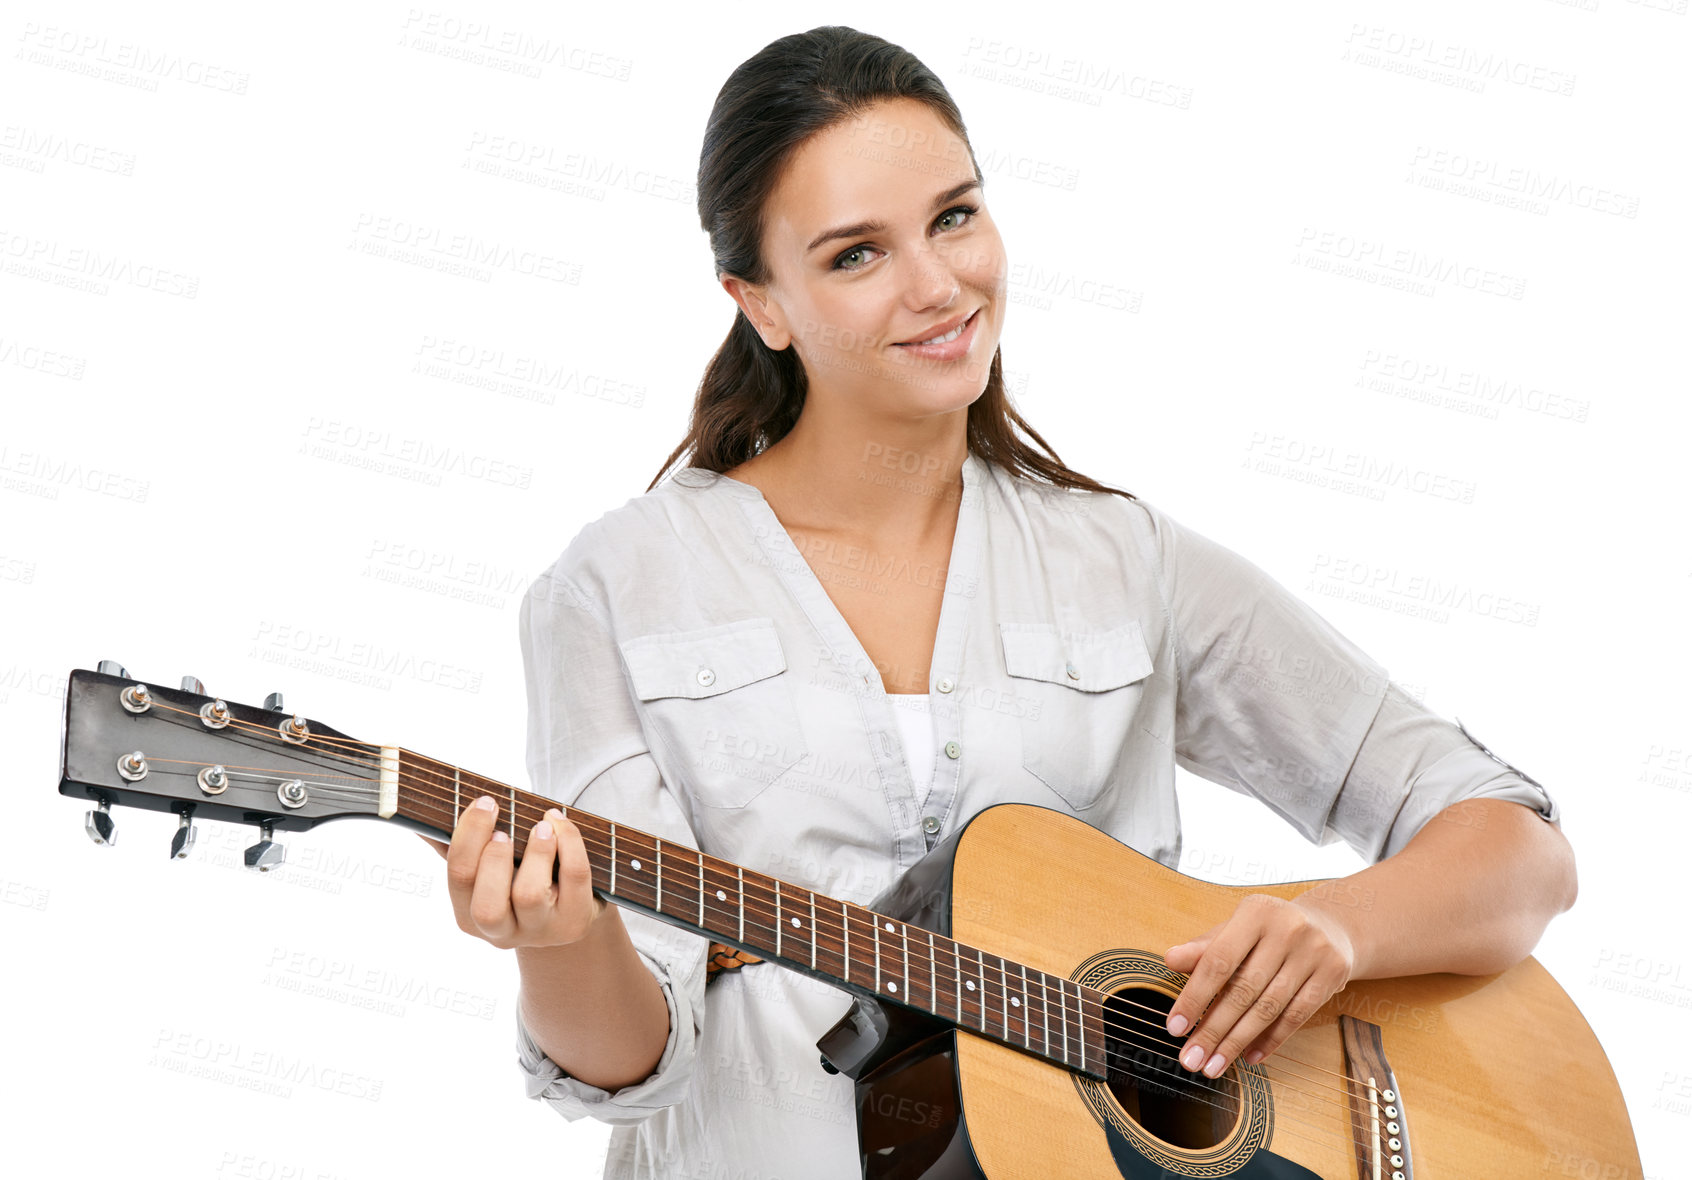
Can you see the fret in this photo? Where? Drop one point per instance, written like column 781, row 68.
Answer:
column 512, row 792
column 1045, row 1016
column 1063, row 1008
column 613, row 888
column 701, row 856
column 876, row 926
column 960, row 987
column 658, row 873
column 846, row 951
column 778, row 919
column 905, row 937
column 981, row 973
column 933, row 985
column 455, row 807
column 740, row 876
column 1026, row 1043
column 813, row 930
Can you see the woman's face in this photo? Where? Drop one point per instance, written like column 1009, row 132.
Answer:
column 877, row 239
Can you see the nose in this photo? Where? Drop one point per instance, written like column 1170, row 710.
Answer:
column 932, row 281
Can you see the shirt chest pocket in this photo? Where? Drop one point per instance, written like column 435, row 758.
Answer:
column 1082, row 690
column 721, row 702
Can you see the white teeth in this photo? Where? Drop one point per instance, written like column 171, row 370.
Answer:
column 949, row 336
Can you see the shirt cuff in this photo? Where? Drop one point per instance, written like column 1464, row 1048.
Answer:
column 545, row 1080
column 1470, row 771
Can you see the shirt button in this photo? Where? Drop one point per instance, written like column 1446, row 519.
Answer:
column 706, row 677
column 1070, row 670
column 945, row 684
column 930, row 824
column 953, row 749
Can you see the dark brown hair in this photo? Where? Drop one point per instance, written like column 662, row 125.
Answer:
column 750, row 395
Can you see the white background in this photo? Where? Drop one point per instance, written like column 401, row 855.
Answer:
column 206, row 332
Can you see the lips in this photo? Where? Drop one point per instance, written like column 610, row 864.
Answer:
column 939, row 329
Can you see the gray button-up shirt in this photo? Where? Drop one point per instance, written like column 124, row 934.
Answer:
column 689, row 676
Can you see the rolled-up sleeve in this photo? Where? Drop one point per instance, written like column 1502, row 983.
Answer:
column 585, row 749
column 1273, row 702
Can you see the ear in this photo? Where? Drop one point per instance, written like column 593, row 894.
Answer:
column 764, row 314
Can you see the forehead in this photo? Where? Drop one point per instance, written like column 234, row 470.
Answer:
column 884, row 164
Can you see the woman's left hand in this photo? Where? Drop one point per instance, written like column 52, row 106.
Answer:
column 1262, row 974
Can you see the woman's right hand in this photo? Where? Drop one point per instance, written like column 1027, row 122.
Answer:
column 519, row 905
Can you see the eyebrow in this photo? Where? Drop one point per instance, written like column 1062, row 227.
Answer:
column 874, row 227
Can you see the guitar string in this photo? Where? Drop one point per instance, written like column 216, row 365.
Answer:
column 364, row 794
column 764, row 920
column 989, row 992
column 1190, row 1079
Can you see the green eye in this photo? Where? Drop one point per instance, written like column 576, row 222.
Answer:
column 967, row 210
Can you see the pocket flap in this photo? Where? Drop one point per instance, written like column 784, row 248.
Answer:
column 1091, row 662
column 703, row 663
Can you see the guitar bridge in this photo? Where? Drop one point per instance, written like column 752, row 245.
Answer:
column 1378, row 1124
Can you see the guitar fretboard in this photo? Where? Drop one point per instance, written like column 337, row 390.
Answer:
column 838, row 941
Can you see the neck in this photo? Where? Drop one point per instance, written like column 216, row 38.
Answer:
column 839, row 942
column 891, row 479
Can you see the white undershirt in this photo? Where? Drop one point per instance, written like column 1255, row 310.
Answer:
column 917, row 732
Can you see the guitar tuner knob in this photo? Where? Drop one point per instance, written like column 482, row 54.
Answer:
column 192, row 684
column 273, row 702
column 183, row 839
column 112, row 668
column 267, row 854
column 98, row 823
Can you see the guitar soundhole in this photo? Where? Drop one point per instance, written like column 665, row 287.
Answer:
column 1184, row 1109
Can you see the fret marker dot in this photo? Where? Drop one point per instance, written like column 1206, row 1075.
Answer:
column 721, row 896
column 890, row 928
column 891, row 986
column 1015, row 1003
column 634, row 864
column 970, row 984
column 796, row 921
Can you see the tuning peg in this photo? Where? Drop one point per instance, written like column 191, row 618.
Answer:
column 192, row 684
column 98, row 823
column 112, row 668
column 183, row 840
column 266, row 854
column 273, row 702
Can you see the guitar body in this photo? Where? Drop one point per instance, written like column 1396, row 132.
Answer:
column 1497, row 1076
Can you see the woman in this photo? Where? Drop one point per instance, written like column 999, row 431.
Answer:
column 868, row 609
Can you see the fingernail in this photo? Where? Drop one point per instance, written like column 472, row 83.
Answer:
column 1254, row 1056
column 500, row 837
column 1192, row 1057
column 1213, row 1067
column 486, row 803
column 1177, row 1025
column 543, row 830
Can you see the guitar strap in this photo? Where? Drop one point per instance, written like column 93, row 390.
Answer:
column 726, row 958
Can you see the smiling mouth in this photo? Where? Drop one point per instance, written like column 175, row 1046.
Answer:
column 945, row 338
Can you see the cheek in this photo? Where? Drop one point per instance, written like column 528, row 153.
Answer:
column 982, row 263
column 841, row 325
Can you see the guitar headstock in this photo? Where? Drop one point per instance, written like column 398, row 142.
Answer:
column 129, row 743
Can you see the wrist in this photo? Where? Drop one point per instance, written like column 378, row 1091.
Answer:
column 1340, row 906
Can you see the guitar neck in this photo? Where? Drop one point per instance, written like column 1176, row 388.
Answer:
column 839, row 942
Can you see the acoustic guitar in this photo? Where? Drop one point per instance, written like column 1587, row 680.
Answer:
column 1000, row 1028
